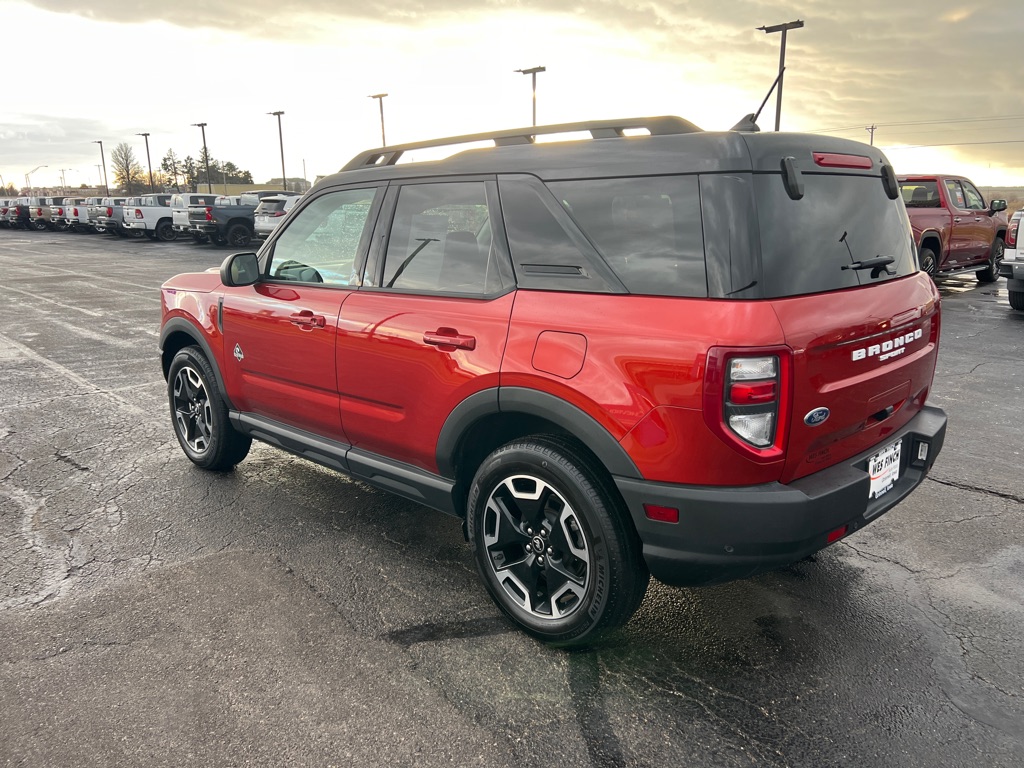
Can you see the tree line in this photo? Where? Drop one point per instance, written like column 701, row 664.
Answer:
column 173, row 172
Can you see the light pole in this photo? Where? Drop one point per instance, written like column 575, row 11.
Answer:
column 63, row 181
column 380, row 100
column 103, row 160
column 783, row 28
column 28, row 177
column 533, row 73
column 206, row 156
column 152, row 186
column 280, row 138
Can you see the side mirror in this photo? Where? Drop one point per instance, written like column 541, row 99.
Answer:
column 997, row 205
column 240, row 269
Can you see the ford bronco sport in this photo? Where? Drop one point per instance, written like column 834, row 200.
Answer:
column 692, row 355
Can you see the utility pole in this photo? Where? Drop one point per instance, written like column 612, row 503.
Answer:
column 280, row 138
column 871, row 129
column 206, row 156
column 103, row 160
column 152, row 186
column 783, row 28
column 28, row 177
column 533, row 73
column 63, row 181
column 380, row 100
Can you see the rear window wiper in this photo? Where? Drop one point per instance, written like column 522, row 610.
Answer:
column 877, row 265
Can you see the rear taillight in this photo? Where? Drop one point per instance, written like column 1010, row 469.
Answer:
column 74, row 211
column 110, row 212
column 747, row 399
column 277, row 213
column 39, row 211
column 836, row 160
column 138, row 214
column 60, row 211
column 209, row 213
column 1011, row 234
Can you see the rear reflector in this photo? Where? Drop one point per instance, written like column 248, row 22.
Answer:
column 838, row 533
column 661, row 514
column 833, row 160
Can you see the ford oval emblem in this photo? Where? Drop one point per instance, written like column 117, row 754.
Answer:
column 816, row 417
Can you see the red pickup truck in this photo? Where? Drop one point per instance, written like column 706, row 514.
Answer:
column 954, row 229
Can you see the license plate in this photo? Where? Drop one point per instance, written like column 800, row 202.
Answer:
column 262, row 219
column 884, row 468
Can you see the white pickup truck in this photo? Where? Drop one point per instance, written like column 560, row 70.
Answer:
column 180, row 203
column 78, row 215
column 102, row 217
column 151, row 214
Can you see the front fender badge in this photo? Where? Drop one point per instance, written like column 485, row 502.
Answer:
column 239, row 355
column 812, row 419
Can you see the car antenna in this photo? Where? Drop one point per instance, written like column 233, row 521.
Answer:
column 749, row 123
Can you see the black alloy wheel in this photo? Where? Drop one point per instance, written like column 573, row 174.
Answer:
column 199, row 414
column 165, row 232
column 552, row 542
column 239, row 236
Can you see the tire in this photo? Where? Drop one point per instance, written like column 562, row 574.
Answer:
column 1017, row 300
column 995, row 257
column 238, row 236
column 150, row 234
column 199, row 415
column 552, row 542
column 39, row 225
column 929, row 261
column 165, row 232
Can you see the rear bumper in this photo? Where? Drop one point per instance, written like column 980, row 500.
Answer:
column 1013, row 270
column 727, row 533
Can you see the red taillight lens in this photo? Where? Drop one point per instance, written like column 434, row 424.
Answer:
column 277, row 213
column 60, row 211
column 39, row 211
column 1011, row 234
column 74, row 211
column 834, row 160
column 138, row 214
column 110, row 212
column 747, row 399
column 209, row 213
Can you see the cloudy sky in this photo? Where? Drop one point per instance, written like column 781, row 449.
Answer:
column 941, row 80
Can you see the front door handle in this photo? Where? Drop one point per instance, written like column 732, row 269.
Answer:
column 956, row 219
column 306, row 319
column 450, row 338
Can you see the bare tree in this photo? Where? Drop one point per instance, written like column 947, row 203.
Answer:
column 127, row 169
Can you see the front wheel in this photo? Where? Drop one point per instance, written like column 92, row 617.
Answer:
column 553, row 544
column 929, row 261
column 995, row 257
column 199, row 414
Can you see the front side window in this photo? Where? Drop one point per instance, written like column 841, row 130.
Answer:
column 975, row 202
column 324, row 242
column 956, row 193
column 441, row 240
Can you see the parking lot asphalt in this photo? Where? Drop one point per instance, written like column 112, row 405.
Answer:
column 152, row 613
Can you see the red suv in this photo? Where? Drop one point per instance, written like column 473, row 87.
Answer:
column 691, row 355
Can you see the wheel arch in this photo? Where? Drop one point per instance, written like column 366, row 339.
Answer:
column 931, row 238
column 177, row 334
column 490, row 418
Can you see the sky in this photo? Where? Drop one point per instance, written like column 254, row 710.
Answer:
column 940, row 79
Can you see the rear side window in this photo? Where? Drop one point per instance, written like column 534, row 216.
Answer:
column 812, row 245
column 270, row 206
column 921, row 194
column 647, row 229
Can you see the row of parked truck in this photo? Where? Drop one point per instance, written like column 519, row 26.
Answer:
column 205, row 217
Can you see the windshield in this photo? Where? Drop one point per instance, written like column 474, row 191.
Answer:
column 827, row 240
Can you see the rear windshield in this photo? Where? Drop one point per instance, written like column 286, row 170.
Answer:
column 812, row 245
column 920, row 194
column 270, row 205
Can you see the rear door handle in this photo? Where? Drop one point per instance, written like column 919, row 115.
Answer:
column 306, row 319
column 449, row 337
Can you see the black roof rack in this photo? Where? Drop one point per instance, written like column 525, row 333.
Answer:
column 599, row 129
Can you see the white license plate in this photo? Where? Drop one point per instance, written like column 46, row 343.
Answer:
column 884, row 469
column 262, row 219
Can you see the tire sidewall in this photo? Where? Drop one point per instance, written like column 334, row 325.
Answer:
column 525, row 459
column 192, row 358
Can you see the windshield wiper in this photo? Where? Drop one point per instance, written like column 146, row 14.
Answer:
column 877, row 265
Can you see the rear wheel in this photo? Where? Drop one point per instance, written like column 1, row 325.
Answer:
column 929, row 261
column 239, row 236
column 199, row 239
column 38, row 225
column 995, row 257
column 1017, row 300
column 552, row 542
column 199, row 414
column 165, row 232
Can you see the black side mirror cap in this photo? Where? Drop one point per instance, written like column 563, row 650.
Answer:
column 240, row 269
column 997, row 205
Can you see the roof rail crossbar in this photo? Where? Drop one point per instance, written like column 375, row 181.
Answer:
column 598, row 129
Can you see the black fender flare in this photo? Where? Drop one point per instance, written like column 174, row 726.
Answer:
column 532, row 402
column 180, row 325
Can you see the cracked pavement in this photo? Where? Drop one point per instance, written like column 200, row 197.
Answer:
column 283, row 614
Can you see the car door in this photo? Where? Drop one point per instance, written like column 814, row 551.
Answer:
column 280, row 334
column 980, row 224
column 963, row 237
column 428, row 327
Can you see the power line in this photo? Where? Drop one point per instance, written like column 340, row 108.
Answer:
column 954, row 144
column 922, row 122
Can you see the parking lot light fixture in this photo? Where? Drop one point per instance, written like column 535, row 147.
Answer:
column 28, row 177
column 380, row 100
column 532, row 71
column 783, row 28
column 280, row 138
column 63, row 180
column 206, row 156
column 152, row 186
column 103, row 160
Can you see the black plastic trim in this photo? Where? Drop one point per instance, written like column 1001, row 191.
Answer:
column 462, row 417
column 180, row 325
